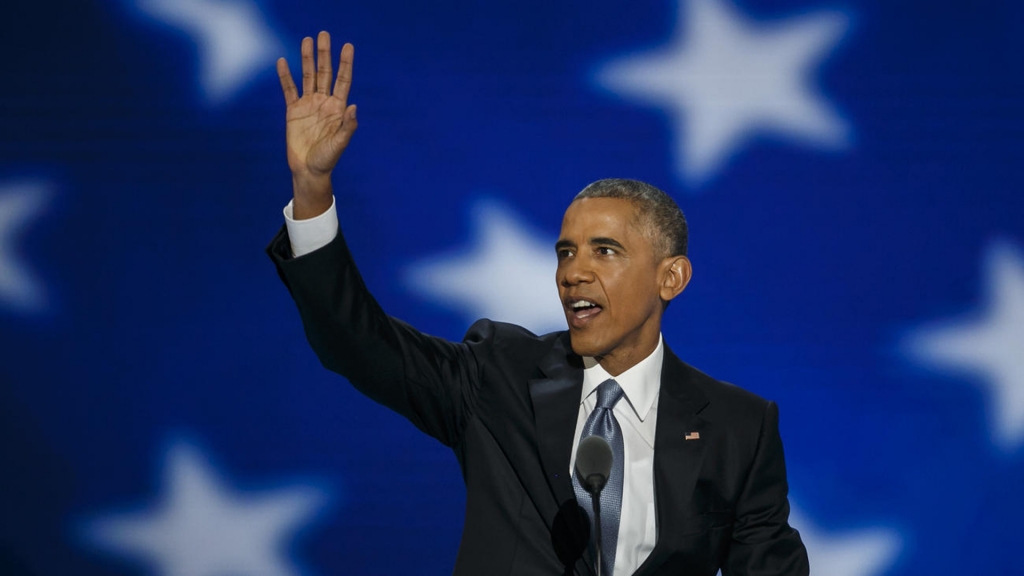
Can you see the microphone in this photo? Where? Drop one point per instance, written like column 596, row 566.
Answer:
column 594, row 465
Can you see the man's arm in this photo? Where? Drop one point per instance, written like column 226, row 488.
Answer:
column 763, row 542
column 430, row 381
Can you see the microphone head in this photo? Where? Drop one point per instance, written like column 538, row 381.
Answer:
column 594, row 463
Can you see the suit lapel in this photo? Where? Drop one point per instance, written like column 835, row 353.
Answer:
column 677, row 461
column 555, row 393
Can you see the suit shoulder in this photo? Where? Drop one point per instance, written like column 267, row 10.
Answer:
column 505, row 338
column 733, row 399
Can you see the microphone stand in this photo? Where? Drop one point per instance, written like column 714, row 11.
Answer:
column 594, row 487
column 594, row 464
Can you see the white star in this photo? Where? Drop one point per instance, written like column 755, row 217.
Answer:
column 201, row 528
column 19, row 204
column 723, row 80
column 868, row 552
column 988, row 344
column 509, row 275
column 233, row 41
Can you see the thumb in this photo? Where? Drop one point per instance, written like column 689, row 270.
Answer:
column 348, row 127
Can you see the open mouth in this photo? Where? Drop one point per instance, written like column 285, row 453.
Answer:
column 582, row 311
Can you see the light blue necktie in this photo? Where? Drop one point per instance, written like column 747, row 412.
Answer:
column 602, row 423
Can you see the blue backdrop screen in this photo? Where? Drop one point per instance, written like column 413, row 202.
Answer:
column 851, row 173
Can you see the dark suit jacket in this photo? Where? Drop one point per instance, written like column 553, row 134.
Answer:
column 506, row 401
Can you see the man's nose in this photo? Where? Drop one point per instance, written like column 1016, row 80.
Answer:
column 576, row 271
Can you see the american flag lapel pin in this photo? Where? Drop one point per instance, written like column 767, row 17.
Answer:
column 693, row 436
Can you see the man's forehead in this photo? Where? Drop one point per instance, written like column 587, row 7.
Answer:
column 587, row 216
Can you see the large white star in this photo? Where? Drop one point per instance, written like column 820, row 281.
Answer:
column 988, row 344
column 234, row 42
column 867, row 552
column 19, row 204
column 723, row 79
column 508, row 275
column 201, row 528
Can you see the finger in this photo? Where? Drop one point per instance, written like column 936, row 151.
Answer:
column 308, row 78
column 323, row 62
column 287, row 84
column 344, row 81
column 348, row 127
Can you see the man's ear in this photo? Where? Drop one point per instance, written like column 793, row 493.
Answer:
column 675, row 275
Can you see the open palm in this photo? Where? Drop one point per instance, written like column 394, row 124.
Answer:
column 320, row 123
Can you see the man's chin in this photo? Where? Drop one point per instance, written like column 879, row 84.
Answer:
column 582, row 345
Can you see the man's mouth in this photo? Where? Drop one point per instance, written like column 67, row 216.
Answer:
column 582, row 311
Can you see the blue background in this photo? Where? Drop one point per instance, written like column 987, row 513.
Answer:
column 164, row 321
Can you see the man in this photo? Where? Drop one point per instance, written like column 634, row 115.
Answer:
column 699, row 481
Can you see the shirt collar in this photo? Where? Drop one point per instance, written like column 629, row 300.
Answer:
column 640, row 383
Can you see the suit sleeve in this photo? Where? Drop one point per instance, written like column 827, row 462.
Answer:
column 430, row 381
column 763, row 542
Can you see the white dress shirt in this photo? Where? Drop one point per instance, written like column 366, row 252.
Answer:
column 637, row 414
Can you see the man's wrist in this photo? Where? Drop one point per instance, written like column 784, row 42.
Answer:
column 313, row 195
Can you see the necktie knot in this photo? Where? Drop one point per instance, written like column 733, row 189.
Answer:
column 608, row 394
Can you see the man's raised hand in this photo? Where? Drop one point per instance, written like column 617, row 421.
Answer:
column 320, row 123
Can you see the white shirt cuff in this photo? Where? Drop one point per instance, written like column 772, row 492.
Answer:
column 312, row 233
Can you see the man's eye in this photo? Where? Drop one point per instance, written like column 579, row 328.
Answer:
column 605, row 251
column 564, row 253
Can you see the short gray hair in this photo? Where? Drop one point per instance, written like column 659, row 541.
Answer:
column 659, row 216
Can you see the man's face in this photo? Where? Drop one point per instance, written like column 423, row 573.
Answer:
column 610, row 282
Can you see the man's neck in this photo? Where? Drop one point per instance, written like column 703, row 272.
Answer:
column 641, row 382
